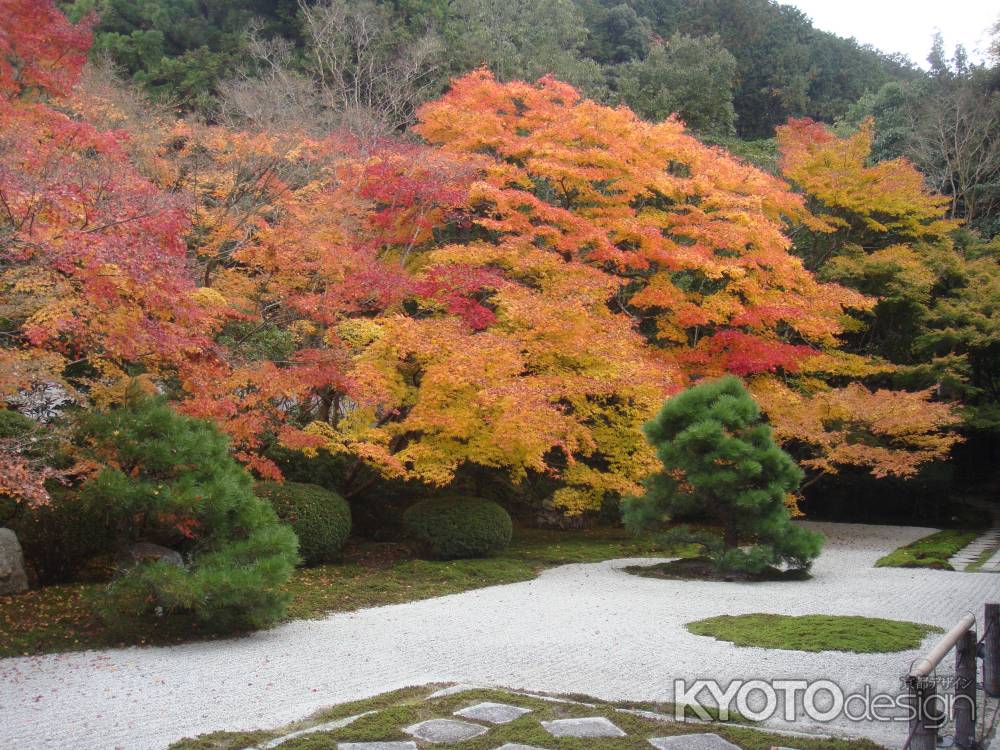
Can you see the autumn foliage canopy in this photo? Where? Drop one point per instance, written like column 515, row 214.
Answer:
column 518, row 291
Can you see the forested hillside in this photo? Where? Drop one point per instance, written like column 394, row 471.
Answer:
column 746, row 65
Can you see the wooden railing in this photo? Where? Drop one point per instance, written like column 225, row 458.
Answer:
column 929, row 708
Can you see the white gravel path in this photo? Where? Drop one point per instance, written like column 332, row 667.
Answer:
column 590, row 629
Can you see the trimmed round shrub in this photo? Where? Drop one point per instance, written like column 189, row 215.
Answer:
column 451, row 528
column 320, row 518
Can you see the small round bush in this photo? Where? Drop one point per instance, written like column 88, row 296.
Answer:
column 320, row 518
column 451, row 528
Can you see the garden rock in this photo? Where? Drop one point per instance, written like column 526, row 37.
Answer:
column 692, row 742
column 596, row 726
column 445, row 731
column 142, row 551
column 13, row 579
column 494, row 713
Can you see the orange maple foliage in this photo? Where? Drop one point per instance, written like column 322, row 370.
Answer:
column 889, row 432
column 695, row 236
column 696, row 241
column 404, row 357
column 879, row 229
column 890, row 199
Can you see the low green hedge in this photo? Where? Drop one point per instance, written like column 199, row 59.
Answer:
column 320, row 518
column 458, row 527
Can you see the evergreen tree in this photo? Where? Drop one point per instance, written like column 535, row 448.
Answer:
column 169, row 480
column 721, row 464
column 691, row 77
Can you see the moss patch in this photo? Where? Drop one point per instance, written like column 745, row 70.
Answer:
column 863, row 635
column 929, row 552
column 399, row 709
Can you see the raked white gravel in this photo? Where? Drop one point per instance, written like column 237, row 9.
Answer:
column 590, row 629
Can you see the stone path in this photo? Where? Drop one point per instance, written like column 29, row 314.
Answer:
column 449, row 731
column 992, row 565
column 493, row 713
column 693, row 742
column 593, row 727
column 970, row 554
column 589, row 628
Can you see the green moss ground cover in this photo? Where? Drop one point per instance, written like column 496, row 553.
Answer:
column 402, row 708
column 929, row 552
column 861, row 635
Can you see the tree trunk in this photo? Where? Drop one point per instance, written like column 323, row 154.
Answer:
column 730, row 539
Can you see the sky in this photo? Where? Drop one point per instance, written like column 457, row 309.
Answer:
column 907, row 25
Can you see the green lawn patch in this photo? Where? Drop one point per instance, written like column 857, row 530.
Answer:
column 863, row 635
column 393, row 711
column 62, row 618
column 929, row 552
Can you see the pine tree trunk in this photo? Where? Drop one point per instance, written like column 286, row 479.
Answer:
column 730, row 539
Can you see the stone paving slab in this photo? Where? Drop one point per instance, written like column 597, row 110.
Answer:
column 445, row 731
column 974, row 550
column 376, row 746
column 592, row 726
column 494, row 713
column 519, row 746
column 992, row 565
column 692, row 742
column 327, row 727
column 455, row 690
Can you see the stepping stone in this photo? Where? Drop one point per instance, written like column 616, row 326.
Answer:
column 518, row 746
column 494, row 713
column 327, row 727
column 692, row 742
column 443, row 731
column 376, row 746
column 454, row 690
column 595, row 726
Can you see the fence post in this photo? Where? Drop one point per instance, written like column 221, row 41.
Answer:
column 965, row 690
column 991, row 650
column 923, row 729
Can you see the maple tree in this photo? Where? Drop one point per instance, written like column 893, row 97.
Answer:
column 879, row 229
column 93, row 267
column 345, row 312
column 695, row 243
column 517, row 293
column 41, row 53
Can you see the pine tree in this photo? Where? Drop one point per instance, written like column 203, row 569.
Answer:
column 169, row 480
column 721, row 464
